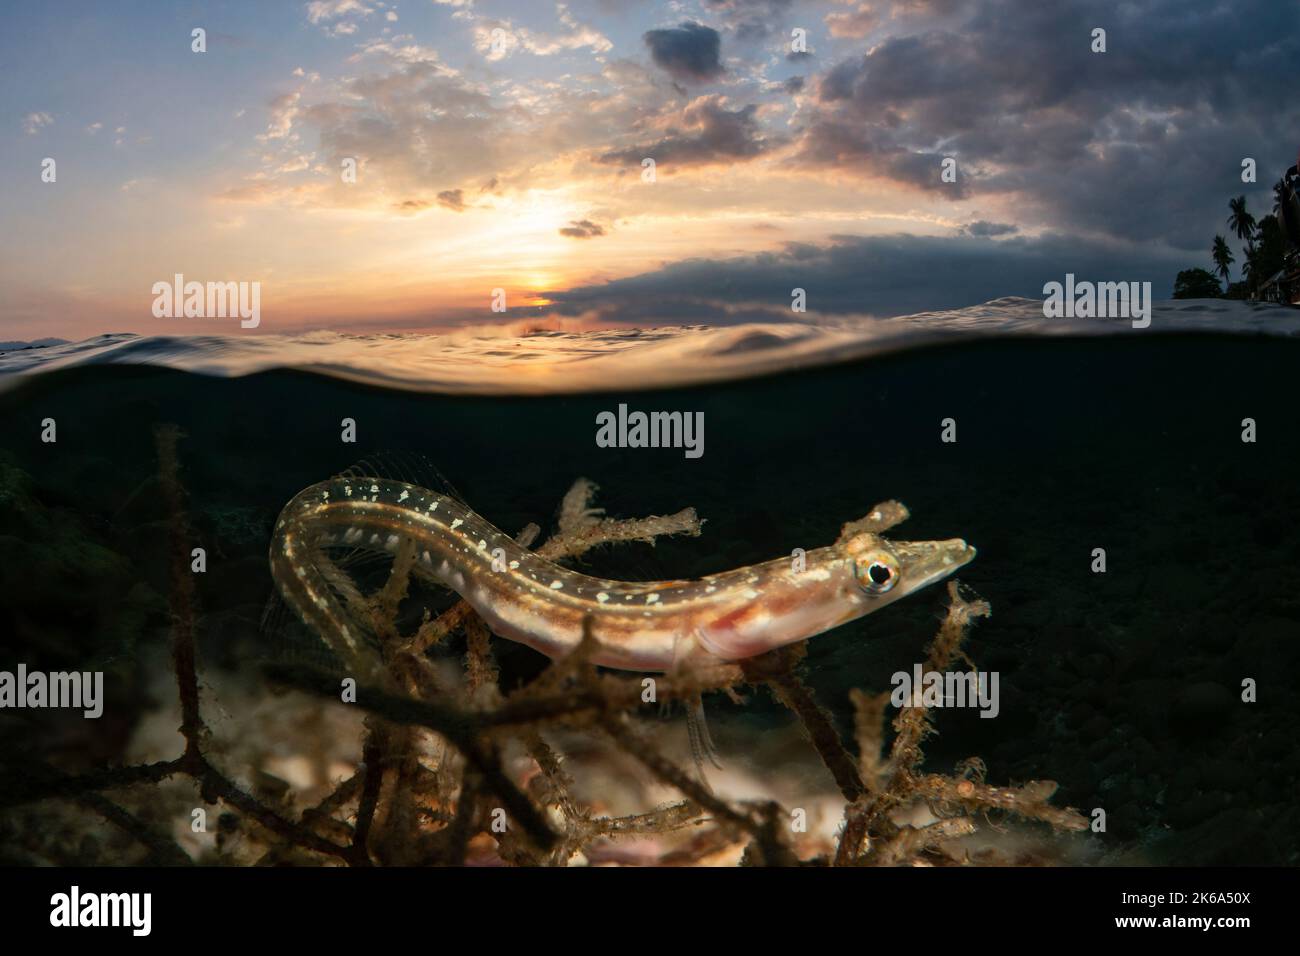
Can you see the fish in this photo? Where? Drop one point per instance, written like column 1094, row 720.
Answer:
column 653, row 626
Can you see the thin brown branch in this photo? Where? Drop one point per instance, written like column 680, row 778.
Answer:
column 776, row 670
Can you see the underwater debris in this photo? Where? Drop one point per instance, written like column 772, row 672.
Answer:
column 455, row 770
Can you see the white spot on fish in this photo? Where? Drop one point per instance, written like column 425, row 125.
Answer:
column 602, row 597
column 514, row 565
column 556, row 585
column 651, row 598
column 404, row 495
column 456, row 524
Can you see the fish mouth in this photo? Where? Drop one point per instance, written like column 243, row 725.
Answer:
column 925, row 562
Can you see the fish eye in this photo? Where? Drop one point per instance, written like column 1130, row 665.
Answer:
column 876, row 573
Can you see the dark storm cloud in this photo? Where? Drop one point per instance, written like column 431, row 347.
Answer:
column 710, row 133
column 845, row 145
column 877, row 275
column 983, row 229
column 689, row 53
column 1142, row 141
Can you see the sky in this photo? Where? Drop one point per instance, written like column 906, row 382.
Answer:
column 499, row 144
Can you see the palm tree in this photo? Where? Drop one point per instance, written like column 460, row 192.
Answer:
column 1223, row 258
column 1279, row 197
column 1241, row 222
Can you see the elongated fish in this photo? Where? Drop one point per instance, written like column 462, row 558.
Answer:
column 650, row 626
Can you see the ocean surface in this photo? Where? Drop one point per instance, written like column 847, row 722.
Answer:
column 1125, row 687
column 498, row 361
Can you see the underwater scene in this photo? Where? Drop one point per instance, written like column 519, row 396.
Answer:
column 1125, row 607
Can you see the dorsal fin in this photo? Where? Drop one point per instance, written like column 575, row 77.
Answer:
column 410, row 467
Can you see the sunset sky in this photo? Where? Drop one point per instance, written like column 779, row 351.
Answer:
column 521, row 168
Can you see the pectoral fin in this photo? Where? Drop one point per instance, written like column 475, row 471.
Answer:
column 697, row 728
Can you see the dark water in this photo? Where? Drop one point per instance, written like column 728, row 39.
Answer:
column 1124, row 686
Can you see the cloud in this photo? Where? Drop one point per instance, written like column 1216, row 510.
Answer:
column 411, row 206
column 498, row 39
column 582, row 229
column 399, row 49
column 1045, row 133
column 453, row 199
column 320, row 11
column 416, row 125
column 284, row 110
column 35, row 122
column 853, row 24
column 690, row 53
column 709, row 132
column 871, row 275
column 751, row 20
column 831, row 141
column 982, row 228
column 1120, row 143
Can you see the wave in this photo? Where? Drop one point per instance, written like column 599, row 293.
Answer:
column 495, row 360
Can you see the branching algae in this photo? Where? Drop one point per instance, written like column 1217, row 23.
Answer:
column 454, row 770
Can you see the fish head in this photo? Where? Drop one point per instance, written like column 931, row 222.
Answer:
column 886, row 571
